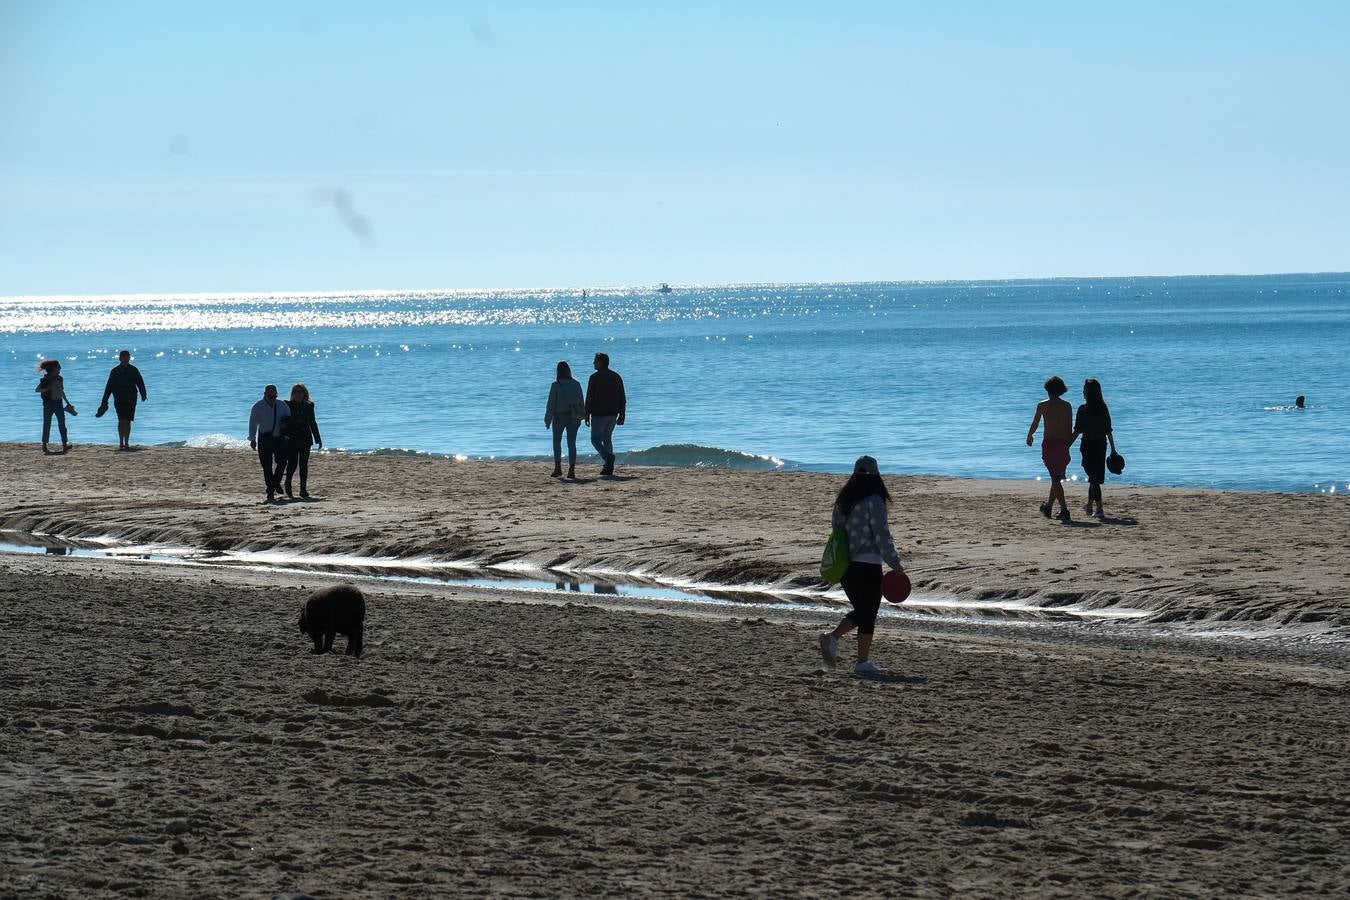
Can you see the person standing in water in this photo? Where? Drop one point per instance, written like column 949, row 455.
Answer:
column 860, row 509
column 52, row 387
column 565, row 410
column 302, row 432
column 1094, row 426
column 606, row 405
column 267, row 435
column 1057, row 414
column 124, row 383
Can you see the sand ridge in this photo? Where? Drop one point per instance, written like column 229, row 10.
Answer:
column 1240, row 558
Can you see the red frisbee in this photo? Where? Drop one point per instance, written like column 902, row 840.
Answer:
column 895, row 586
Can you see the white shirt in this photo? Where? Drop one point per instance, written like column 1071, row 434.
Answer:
column 267, row 418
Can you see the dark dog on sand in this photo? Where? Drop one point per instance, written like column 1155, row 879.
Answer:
column 333, row 610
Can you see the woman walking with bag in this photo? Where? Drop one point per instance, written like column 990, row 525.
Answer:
column 1094, row 425
column 860, row 509
column 566, row 408
column 52, row 387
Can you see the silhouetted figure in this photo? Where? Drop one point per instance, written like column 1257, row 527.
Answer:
column 1299, row 402
column 1058, row 417
column 566, row 408
column 1094, row 425
column 605, row 407
column 330, row 611
column 52, row 387
column 267, row 435
column 860, row 509
column 302, row 431
column 124, row 383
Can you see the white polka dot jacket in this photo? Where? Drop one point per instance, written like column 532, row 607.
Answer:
column 869, row 534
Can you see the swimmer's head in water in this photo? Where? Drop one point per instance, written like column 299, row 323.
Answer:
column 1298, row 401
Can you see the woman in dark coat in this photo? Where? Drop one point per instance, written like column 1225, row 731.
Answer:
column 302, row 430
column 1093, row 424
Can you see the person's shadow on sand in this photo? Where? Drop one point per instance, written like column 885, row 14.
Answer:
column 618, row 478
column 890, row 678
column 1097, row 523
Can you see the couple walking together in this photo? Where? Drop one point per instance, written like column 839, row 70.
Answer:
column 124, row 386
column 603, row 407
column 282, row 432
column 1093, row 425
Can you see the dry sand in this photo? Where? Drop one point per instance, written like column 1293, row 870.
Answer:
column 164, row 730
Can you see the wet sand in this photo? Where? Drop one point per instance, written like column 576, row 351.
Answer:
column 165, row 730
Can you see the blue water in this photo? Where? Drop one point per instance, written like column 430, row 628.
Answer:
column 928, row 377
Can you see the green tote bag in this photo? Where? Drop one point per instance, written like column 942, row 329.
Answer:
column 834, row 561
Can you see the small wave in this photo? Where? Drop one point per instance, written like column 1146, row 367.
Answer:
column 699, row 457
column 399, row 452
column 214, row 441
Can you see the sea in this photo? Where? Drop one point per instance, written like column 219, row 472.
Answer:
column 942, row 378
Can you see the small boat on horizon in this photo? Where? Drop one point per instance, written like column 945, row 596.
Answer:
column 664, row 288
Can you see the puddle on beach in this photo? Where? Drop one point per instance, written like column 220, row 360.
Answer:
column 519, row 579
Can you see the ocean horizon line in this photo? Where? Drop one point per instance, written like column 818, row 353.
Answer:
column 334, row 293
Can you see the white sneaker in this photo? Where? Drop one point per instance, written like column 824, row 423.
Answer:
column 867, row 667
column 829, row 649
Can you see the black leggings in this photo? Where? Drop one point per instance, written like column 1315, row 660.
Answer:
column 297, row 458
column 862, row 585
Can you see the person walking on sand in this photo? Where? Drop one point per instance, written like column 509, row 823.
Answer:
column 267, row 435
column 1058, row 417
column 860, row 509
column 1094, row 426
column 124, row 383
column 302, row 432
column 52, row 387
column 605, row 407
column 564, row 413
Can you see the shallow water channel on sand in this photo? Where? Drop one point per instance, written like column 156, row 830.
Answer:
column 517, row 579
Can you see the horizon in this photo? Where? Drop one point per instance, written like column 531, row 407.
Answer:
column 630, row 288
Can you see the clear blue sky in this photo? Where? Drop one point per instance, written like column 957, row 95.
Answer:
column 184, row 146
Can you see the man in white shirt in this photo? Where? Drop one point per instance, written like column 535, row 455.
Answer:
column 267, row 435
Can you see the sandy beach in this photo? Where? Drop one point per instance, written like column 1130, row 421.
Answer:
column 166, row 731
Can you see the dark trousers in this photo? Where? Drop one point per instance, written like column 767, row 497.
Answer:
column 862, row 586
column 297, row 457
column 50, row 409
column 272, row 450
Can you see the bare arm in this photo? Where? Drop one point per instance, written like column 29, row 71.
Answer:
column 1031, row 432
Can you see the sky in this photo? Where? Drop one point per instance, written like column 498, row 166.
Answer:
column 153, row 147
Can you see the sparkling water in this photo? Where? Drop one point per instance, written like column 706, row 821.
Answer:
column 1200, row 372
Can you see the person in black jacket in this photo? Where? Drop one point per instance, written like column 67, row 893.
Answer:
column 124, row 382
column 605, row 407
column 302, row 430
